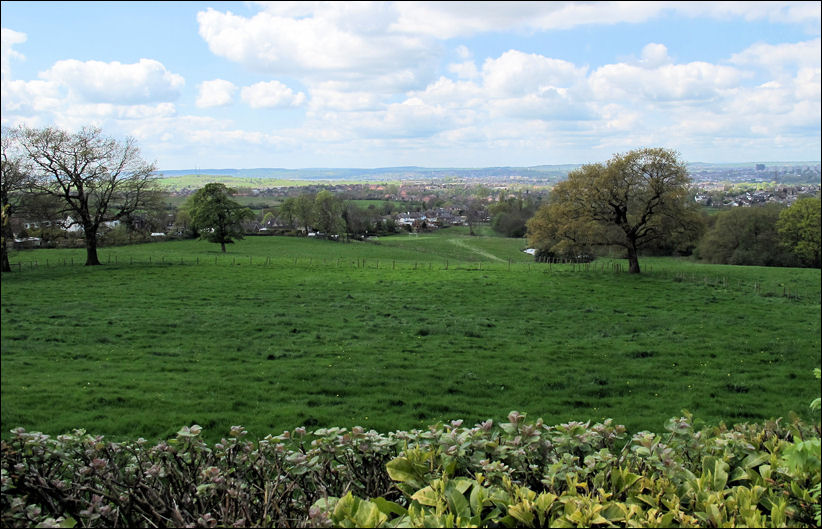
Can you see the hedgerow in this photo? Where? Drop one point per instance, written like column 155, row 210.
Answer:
column 516, row 473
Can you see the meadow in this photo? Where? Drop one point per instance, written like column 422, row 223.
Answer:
column 394, row 334
column 196, row 181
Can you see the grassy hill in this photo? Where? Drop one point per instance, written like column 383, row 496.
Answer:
column 398, row 334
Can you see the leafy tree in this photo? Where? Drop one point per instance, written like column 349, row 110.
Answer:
column 632, row 201
column 97, row 179
column 509, row 217
column 182, row 223
column 328, row 213
column 799, row 229
column 215, row 216
column 288, row 212
column 359, row 221
column 304, row 211
column 745, row 236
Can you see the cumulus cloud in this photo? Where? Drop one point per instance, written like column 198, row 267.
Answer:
column 463, row 52
column 654, row 55
column 28, row 97
column 778, row 58
column 145, row 81
column 8, row 38
column 669, row 82
column 343, row 40
column 464, row 70
column 334, row 95
column 271, row 94
column 515, row 72
column 215, row 93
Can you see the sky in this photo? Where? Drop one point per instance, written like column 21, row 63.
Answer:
column 439, row 84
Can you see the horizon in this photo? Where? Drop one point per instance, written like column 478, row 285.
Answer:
column 444, row 168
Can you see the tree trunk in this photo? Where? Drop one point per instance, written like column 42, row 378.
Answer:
column 91, row 249
column 633, row 260
column 222, row 245
column 8, row 235
column 6, row 265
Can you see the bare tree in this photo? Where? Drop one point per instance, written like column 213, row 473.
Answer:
column 98, row 179
column 13, row 184
column 475, row 212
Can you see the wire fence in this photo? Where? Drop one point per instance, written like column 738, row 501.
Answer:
column 550, row 266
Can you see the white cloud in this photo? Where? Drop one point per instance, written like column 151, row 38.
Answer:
column 778, row 58
column 807, row 85
column 445, row 91
column 517, row 73
column 669, row 82
column 271, row 94
column 29, row 97
column 654, row 55
column 8, row 38
column 549, row 105
column 454, row 19
column 113, row 82
column 446, row 20
column 215, row 93
column 334, row 95
column 783, row 12
column 340, row 41
column 464, row 70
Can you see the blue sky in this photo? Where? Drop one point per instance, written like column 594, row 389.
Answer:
column 439, row 84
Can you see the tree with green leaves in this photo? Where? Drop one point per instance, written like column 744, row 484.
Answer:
column 96, row 178
column 287, row 214
column 799, row 229
column 328, row 213
column 509, row 217
column 745, row 236
column 304, row 211
column 631, row 201
column 215, row 216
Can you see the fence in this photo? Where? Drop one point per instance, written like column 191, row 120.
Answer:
column 550, row 266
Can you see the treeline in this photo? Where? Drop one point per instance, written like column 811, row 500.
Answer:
column 769, row 235
column 509, row 217
column 329, row 215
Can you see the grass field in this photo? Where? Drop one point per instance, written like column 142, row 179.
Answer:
column 282, row 332
column 195, row 181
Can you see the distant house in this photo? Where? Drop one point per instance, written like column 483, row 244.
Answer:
column 27, row 242
column 72, row 226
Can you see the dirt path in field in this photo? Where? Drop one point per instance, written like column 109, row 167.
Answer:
column 463, row 244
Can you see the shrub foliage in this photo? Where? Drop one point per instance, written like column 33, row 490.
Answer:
column 516, row 473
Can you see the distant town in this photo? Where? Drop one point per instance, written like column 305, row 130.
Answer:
column 715, row 185
column 704, row 174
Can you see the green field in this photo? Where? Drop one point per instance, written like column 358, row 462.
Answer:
column 396, row 334
column 196, row 181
